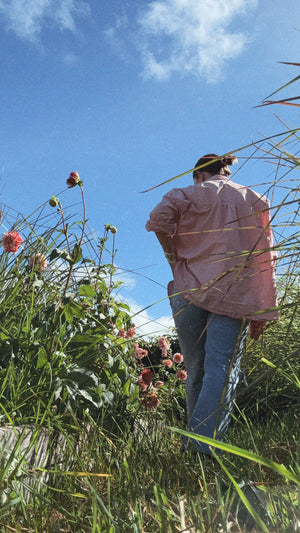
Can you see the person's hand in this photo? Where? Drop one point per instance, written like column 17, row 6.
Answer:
column 256, row 328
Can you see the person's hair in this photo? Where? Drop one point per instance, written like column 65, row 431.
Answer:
column 219, row 164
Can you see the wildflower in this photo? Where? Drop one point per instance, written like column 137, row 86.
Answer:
column 142, row 384
column 37, row 262
column 159, row 384
column 11, row 241
column 150, row 400
column 136, row 349
column 167, row 362
column 130, row 333
column 139, row 352
column 146, row 376
column 164, row 345
column 181, row 374
column 177, row 358
column 122, row 332
column 73, row 179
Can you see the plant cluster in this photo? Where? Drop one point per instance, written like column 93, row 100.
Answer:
column 60, row 321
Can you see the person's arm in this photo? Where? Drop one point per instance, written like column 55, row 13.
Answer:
column 163, row 221
column 257, row 327
column 167, row 244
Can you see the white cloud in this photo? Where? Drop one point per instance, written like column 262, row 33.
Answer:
column 191, row 36
column 146, row 325
column 27, row 18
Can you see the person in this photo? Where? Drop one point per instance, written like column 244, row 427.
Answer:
column 217, row 238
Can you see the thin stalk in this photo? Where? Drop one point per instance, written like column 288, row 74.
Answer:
column 113, row 255
column 71, row 263
column 64, row 227
column 102, row 247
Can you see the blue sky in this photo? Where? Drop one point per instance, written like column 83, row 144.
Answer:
column 129, row 94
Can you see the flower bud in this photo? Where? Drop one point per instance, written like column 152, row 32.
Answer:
column 112, row 229
column 53, row 202
column 73, row 179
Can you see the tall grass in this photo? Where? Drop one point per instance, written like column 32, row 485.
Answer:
column 103, row 452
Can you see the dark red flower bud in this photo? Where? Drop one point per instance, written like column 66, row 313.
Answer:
column 73, row 179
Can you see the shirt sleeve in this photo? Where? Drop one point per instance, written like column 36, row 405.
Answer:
column 266, row 224
column 165, row 215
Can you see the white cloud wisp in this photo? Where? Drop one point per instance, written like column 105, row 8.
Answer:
column 27, row 18
column 191, row 36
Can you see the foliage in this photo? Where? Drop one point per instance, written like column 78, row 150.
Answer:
column 59, row 325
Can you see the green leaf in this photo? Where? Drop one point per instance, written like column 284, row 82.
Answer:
column 82, row 377
column 108, row 397
column 87, row 290
column 242, row 453
column 63, row 254
column 42, row 358
column 87, row 339
column 130, row 388
column 134, row 392
column 87, row 396
column 110, row 360
column 73, row 309
column 267, row 362
column 76, row 255
column 68, row 314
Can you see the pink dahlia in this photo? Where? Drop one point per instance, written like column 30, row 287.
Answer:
column 11, row 241
column 147, row 376
column 167, row 362
column 130, row 333
column 181, row 374
column 37, row 262
column 164, row 345
column 142, row 384
column 177, row 358
column 139, row 352
column 150, row 400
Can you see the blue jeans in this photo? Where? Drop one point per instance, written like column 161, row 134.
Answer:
column 212, row 347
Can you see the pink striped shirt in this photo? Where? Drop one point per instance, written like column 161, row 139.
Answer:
column 224, row 245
